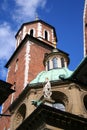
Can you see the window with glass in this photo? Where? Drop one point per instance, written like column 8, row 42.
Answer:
column 62, row 62
column 55, row 65
column 59, row 106
column 48, row 65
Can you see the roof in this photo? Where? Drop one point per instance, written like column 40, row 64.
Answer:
column 37, row 21
column 52, row 75
column 33, row 39
column 54, row 117
column 80, row 74
column 5, row 91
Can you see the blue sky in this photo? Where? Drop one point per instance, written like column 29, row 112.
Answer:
column 65, row 16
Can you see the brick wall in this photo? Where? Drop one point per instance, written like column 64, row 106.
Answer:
column 35, row 66
column 26, row 63
column 85, row 29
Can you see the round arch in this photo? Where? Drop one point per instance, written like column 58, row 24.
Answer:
column 85, row 101
column 61, row 100
column 20, row 115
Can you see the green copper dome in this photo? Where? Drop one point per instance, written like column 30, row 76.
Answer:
column 52, row 75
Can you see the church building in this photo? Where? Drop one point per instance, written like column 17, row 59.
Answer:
column 48, row 96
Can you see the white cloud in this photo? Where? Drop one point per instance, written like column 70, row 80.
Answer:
column 23, row 10
column 3, row 71
column 7, row 41
column 19, row 12
column 7, row 45
column 27, row 9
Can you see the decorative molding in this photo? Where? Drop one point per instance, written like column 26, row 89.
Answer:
column 27, row 59
column 39, row 30
column 8, row 72
column 24, row 32
column 12, row 98
column 52, row 36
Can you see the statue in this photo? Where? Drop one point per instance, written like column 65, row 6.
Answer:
column 47, row 89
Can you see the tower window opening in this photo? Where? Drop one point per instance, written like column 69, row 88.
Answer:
column 62, row 62
column 48, row 65
column 55, row 65
column 31, row 32
column 46, row 35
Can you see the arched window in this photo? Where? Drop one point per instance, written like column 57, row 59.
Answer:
column 55, row 63
column 85, row 101
column 46, row 35
column 62, row 62
column 31, row 32
column 20, row 115
column 61, row 100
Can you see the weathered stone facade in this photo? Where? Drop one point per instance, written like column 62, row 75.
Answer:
column 69, row 94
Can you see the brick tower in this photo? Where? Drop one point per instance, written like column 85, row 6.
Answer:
column 34, row 40
column 85, row 28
